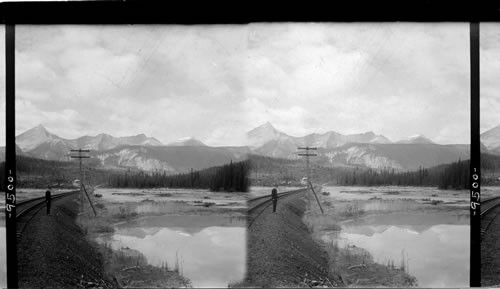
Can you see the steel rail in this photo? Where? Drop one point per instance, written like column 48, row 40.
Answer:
column 489, row 201
column 488, row 215
column 267, row 201
column 35, row 202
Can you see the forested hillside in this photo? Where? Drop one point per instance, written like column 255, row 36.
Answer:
column 38, row 173
column 490, row 170
column 232, row 177
column 270, row 171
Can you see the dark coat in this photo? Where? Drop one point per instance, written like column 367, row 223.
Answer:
column 274, row 194
column 47, row 196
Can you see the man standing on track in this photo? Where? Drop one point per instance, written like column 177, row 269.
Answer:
column 47, row 200
column 274, row 197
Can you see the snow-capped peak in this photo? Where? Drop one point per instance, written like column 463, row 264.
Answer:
column 187, row 141
column 262, row 134
column 416, row 139
column 34, row 137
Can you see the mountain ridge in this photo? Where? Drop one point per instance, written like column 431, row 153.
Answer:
column 39, row 142
column 334, row 149
column 189, row 141
column 360, row 149
column 491, row 139
column 266, row 133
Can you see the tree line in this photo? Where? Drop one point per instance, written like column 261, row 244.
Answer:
column 449, row 176
column 38, row 173
column 232, row 177
column 267, row 170
column 2, row 176
column 490, row 169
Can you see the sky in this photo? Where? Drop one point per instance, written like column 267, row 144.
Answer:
column 217, row 82
column 489, row 71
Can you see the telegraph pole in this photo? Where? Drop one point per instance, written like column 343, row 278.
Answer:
column 308, row 154
column 80, row 156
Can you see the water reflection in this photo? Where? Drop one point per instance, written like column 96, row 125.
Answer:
column 209, row 255
column 391, row 205
column 432, row 245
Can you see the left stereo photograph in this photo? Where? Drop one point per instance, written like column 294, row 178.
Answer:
column 131, row 168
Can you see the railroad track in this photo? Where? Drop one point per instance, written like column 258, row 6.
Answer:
column 27, row 209
column 257, row 206
column 490, row 209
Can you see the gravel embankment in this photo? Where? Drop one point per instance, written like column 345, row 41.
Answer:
column 281, row 251
column 53, row 252
column 490, row 255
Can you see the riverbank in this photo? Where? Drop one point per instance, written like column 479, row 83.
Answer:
column 387, row 236
column 131, row 225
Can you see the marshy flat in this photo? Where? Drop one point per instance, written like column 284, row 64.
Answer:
column 199, row 235
column 421, row 231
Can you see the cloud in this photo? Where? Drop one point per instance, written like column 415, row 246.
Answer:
column 354, row 78
column 2, row 87
column 217, row 82
column 489, row 54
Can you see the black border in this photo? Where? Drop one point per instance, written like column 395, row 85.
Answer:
column 475, row 217
column 234, row 12
column 145, row 12
column 10, row 158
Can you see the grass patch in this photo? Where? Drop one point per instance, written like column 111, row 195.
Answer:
column 321, row 223
column 95, row 225
column 131, row 269
column 432, row 202
column 92, row 225
column 352, row 266
column 128, row 194
column 358, row 269
column 164, row 195
column 392, row 193
column 328, row 204
column 351, row 211
column 100, row 206
column 124, row 212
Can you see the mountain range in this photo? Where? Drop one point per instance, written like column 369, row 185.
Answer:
column 491, row 140
column 40, row 143
column 333, row 149
column 171, row 159
column 266, row 133
column 363, row 149
column 139, row 151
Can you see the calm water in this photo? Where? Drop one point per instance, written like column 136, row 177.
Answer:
column 434, row 246
column 210, row 250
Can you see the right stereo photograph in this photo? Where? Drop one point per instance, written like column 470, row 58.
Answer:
column 490, row 153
